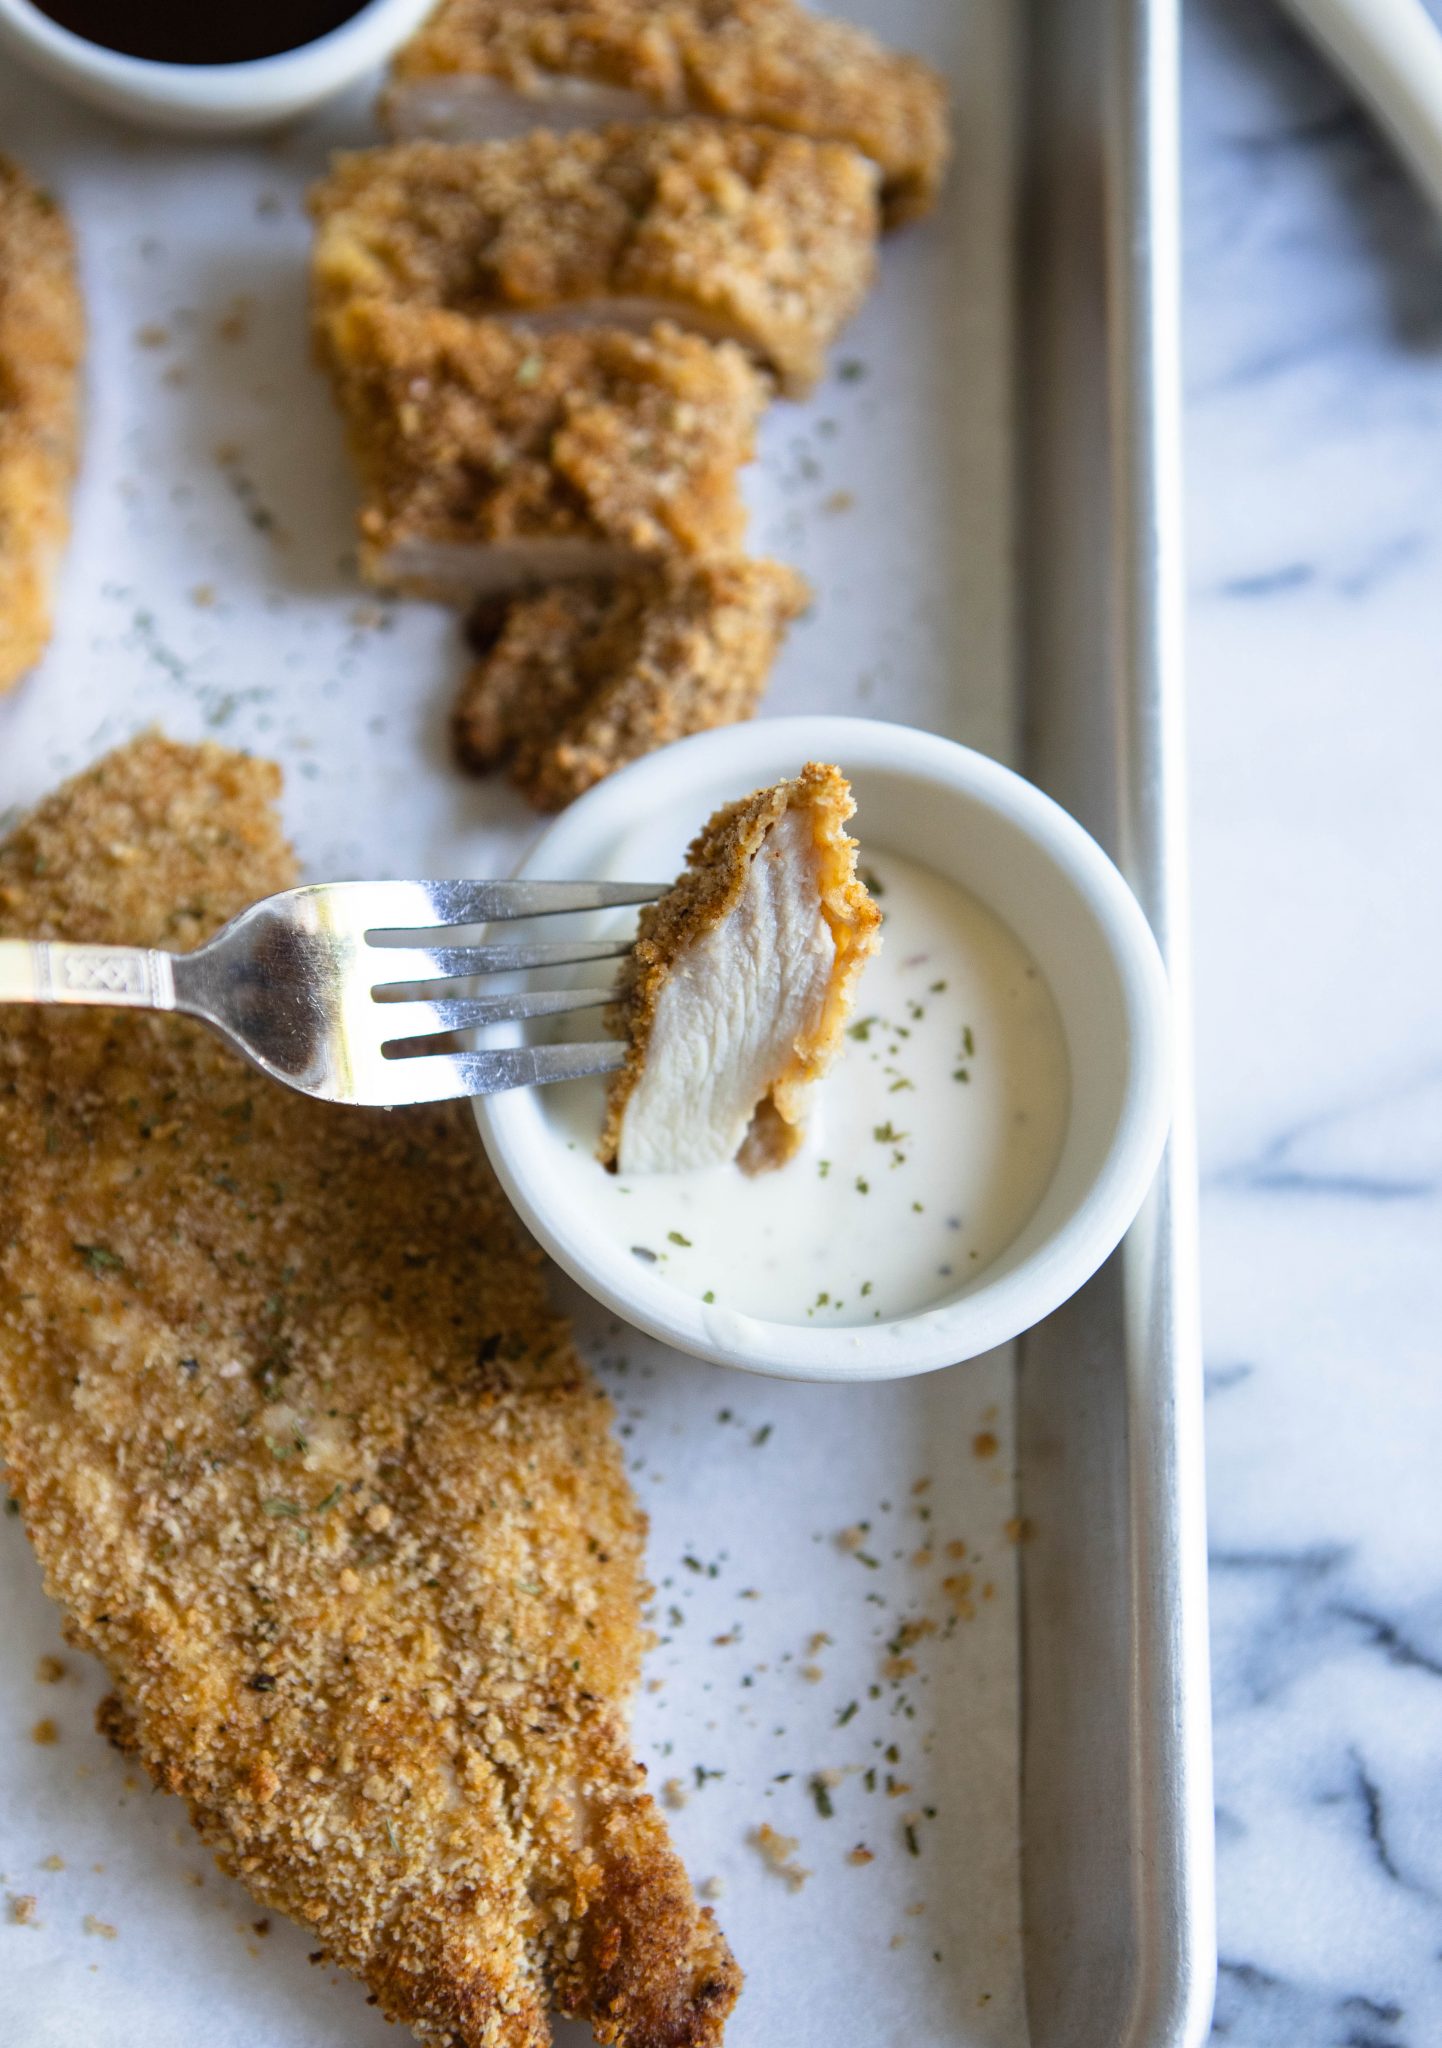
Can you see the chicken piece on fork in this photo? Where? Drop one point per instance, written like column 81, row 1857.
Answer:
column 735, row 996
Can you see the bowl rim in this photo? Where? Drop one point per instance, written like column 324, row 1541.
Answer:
column 286, row 79
column 990, row 1313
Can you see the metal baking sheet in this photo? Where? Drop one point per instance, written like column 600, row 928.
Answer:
column 981, row 493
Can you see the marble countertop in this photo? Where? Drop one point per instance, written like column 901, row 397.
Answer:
column 1314, row 503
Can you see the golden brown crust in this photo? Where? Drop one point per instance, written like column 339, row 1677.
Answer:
column 312, row 1466
column 717, row 862
column 42, row 343
column 769, row 239
column 762, row 61
column 575, row 681
column 471, row 434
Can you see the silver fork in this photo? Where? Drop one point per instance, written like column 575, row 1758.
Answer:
column 299, row 984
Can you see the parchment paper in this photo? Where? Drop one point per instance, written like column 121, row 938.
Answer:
column 209, row 589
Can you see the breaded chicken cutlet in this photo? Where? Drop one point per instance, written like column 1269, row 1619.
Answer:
column 42, row 344
column 771, row 62
column 573, row 682
column 308, row 1462
column 735, row 995
column 734, row 233
column 490, row 457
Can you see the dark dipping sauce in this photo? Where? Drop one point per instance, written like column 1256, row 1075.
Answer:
column 211, row 32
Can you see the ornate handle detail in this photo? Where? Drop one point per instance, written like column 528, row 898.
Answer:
column 34, row 971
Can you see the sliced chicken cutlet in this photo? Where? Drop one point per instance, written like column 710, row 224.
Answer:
column 42, row 344
column 482, row 67
column 490, row 457
column 575, row 681
column 733, row 233
column 740, row 983
column 311, row 1466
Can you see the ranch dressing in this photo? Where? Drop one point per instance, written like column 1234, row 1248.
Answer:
column 929, row 1143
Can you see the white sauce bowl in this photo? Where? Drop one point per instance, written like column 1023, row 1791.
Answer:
column 210, row 99
column 975, row 823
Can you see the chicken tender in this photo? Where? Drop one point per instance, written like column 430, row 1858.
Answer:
column 575, row 681
column 309, row 1463
column 772, row 62
column 735, row 233
column 490, row 457
column 736, row 993
column 42, row 344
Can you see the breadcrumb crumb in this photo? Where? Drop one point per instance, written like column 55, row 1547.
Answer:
column 778, row 1852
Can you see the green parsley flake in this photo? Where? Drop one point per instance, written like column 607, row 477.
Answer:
column 100, row 1259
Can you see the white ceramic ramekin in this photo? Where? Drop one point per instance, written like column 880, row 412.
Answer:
column 215, row 99
column 976, row 823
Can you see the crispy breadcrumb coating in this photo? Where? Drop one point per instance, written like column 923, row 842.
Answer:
column 489, row 456
column 42, row 344
column 312, row 1467
column 762, row 61
column 574, row 681
column 718, row 863
column 766, row 239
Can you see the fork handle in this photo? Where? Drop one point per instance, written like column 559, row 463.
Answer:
column 49, row 971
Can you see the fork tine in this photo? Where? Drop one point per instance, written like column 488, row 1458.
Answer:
column 438, row 1076
column 414, row 1020
column 405, row 906
column 482, row 902
column 393, row 965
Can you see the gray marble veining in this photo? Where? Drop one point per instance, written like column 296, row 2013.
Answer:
column 1314, row 456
